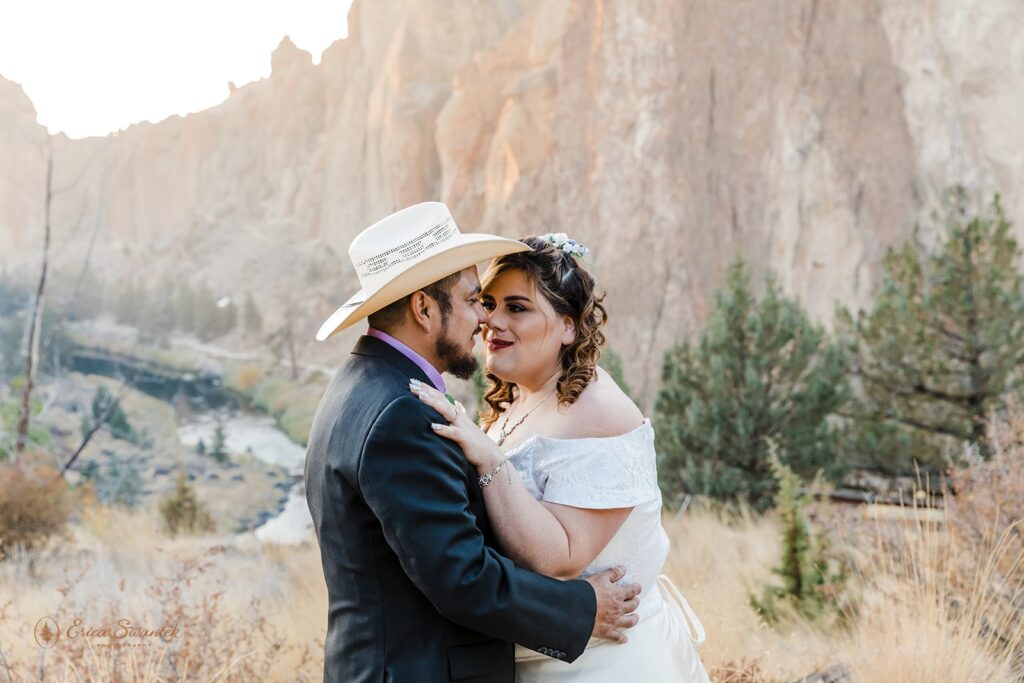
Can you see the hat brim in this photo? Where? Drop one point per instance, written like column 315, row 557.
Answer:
column 463, row 251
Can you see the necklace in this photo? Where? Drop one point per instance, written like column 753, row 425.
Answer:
column 505, row 430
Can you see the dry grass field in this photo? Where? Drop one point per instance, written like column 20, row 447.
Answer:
column 937, row 598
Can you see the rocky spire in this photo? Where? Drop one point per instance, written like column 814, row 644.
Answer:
column 287, row 56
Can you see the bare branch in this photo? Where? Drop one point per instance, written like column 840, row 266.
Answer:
column 100, row 421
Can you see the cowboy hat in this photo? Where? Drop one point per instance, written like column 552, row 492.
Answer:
column 405, row 252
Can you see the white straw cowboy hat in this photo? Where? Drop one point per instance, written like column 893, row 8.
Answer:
column 405, row 252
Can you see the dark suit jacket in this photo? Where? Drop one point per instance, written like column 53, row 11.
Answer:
column 416, row 591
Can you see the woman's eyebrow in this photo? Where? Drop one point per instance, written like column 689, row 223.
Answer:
column 513, row 297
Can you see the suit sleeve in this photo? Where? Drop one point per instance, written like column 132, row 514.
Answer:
column 415, row 482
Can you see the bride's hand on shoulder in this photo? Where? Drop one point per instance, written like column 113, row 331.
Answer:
column 480, row 451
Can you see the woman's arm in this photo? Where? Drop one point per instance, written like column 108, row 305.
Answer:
column 551, row 539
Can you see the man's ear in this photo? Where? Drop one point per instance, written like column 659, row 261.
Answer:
column 568, row 330
column 424, row 311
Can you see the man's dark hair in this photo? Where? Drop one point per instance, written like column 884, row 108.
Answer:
column 393, row 314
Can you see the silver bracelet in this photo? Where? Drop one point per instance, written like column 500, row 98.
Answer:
column 486, row 479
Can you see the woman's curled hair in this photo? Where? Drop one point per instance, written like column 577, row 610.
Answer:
column 571, row 290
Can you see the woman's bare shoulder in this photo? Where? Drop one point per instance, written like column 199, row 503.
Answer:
column 601, row 410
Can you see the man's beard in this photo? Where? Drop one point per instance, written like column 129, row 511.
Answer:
column 460, row 363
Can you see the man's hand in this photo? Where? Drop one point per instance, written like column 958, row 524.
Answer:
column 615, row 604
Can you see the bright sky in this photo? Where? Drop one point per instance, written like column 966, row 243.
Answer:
column 91, row 67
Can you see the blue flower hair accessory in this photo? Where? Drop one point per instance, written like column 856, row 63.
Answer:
column 563, row 242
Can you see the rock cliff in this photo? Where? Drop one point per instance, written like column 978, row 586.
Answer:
column 665, row 135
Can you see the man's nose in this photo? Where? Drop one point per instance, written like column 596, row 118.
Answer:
column 481, row 313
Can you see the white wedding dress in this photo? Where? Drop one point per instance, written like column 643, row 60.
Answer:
column 615, row 472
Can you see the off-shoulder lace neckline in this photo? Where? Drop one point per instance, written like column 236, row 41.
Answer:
column 535, row 437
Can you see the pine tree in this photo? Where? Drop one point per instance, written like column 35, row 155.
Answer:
column 10, row 411
column 200, row 308
column 251, row 315
column 129, row 302
column 184, row 307
column 227, row 317
column 157, row 319
column 11, row 360
column 85, row 300
column 759, row 369
column 134, row 303
column 218, row 451
column 183, row 512
column 809, row 587
column 205, row 313
column 106, row 405
column 943, row 343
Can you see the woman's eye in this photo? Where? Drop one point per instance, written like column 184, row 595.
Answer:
column 487, row 305
column 515, row 308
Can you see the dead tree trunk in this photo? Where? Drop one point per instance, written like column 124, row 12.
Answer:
column 32, row 357
column 291, row 344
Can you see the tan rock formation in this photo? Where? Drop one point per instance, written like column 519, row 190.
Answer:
column 22, row 173
column 666, row 135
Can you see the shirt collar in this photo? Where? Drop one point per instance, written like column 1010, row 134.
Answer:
column 429, row 370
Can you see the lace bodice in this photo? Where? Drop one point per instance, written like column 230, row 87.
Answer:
column 602, row 473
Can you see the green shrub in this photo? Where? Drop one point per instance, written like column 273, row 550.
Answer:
column 218, row 451
column 809, row 587
column 119, row 482
column 759, row 369
column 10, row 413
column 34, row 505
column 942, row 345
column 105, row 404
column 182, row 512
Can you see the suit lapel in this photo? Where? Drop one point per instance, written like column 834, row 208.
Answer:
column 371, row 346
